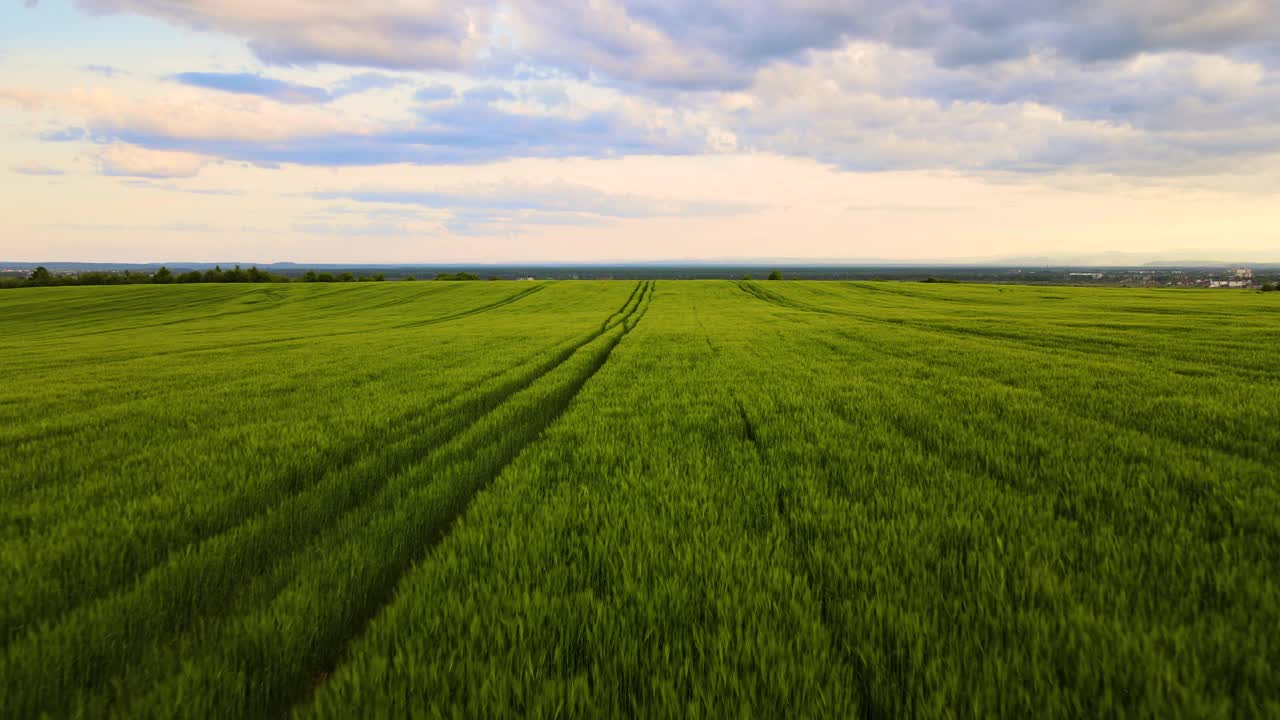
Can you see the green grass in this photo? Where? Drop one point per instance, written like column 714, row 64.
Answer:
column 594, row 499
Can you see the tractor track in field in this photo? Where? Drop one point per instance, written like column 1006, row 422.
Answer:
column 338, row 459
column 277, row 341
column 1061, row 409
column 748, row 426
column 625, row 305
column 424, row 514
column 477, row 310
column 279, row 519
column 199, row 318
column 992, row 337
column 68, row 427
column 236, row 345
column 802, row 566
column 269, row 306
column 300, row 480
column 801, row 563
column 1029, row 346
column 335, row 457
column 1018, row 343
column 560, row 403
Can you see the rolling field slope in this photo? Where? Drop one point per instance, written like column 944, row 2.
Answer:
column 593, row 499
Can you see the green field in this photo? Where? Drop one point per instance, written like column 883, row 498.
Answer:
column 672, row 499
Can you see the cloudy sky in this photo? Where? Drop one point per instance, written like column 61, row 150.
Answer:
column 518, row 130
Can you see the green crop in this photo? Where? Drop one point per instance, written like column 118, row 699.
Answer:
column 596, row 499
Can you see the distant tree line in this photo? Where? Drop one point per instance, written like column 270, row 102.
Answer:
column 775, row 275
column 313, row 276
column 41, row 277
column 218, row 275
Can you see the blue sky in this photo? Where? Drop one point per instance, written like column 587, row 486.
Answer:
column 423, row 130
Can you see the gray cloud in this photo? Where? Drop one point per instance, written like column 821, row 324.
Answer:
column 714, row 44
column 719, row 44
column 467, row 131
column 283, row 91
column 253, row 84
column 432, row 93
column 488, row 94
column 104, row 70
column 376, row 33
column 871, row 107
column 365, row 82
column 548, row 198
column 36, row 170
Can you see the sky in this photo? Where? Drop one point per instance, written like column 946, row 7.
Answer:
column 417, row 131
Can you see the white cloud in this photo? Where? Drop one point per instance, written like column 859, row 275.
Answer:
column 818, row 111
column 35, row 169
column 189, row 114
column 870, row 106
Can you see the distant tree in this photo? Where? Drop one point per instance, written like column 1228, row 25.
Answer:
column 775, row 275
column 325, row 277
column 379, row 277
column 347, row 277
column 162, row 276
column 457, row 276
column 410, row 277
column 214, row 275
column 97, row 278
column 40, row 276
column 193, row 276
column 747, row 276
column 310, row 276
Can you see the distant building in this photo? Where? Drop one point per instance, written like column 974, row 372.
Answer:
column 1229, row 283
column 1246, row 273
column 1090, row 275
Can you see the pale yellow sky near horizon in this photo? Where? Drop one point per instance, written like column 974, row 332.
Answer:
column 789, row 208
